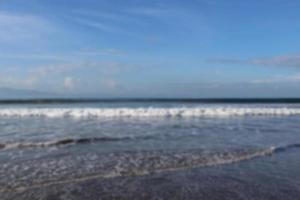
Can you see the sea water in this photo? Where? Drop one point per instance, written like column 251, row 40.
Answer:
column 45, row 147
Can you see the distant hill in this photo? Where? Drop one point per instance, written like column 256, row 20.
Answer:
column 11, row 93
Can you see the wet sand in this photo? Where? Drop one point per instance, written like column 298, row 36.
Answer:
column 267, row 178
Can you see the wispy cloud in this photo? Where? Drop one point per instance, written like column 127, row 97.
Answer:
column 295, row 78
column 150, row 11
column 171, row 15
column 17, row 26
column 104, row 15
column 81, row 54
column 68, row 76
column 289, row 60
column 37, row 56
column 284, row 61
column 98, row 52
column 96, row 24
column 104, row 26
column 141, row 17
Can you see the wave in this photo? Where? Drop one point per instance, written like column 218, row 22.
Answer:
column 287, row 147
column 66, row 141
column 74, row 168
column 146, row 112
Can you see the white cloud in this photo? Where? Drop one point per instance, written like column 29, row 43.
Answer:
column 69, row 83
column 60, row 77
column 110, row 84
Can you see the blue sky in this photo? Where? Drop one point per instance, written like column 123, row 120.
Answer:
column 151, row 48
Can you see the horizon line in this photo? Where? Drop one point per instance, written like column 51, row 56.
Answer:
column 66, row 100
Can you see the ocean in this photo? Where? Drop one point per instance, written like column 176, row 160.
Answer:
column 150, row 149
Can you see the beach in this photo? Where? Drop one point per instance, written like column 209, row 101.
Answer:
column 149, row 150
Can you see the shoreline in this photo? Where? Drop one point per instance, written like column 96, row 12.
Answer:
column 234, row 181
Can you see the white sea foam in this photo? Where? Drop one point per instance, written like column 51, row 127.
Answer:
column 72, row 168
column 146, row 112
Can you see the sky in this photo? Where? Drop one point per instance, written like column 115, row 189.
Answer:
column 151, row 48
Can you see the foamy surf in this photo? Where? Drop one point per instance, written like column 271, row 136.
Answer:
column 69, row 169
column 146, row 112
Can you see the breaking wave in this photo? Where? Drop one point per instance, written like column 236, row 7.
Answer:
column 66, row 141
column 287, row 147
column 145, row 112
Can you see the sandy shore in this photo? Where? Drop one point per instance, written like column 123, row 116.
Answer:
column 245, row 180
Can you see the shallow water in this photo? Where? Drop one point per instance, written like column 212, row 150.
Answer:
column 44, row 147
